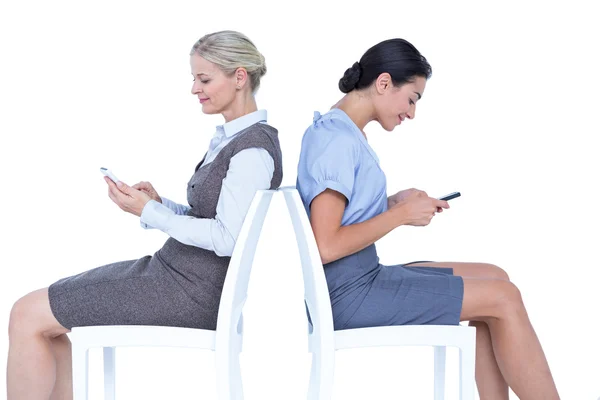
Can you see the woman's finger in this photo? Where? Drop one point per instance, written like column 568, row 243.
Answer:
column 143, row 185
column 113, row 198
column 441, row 203
column 118, row 196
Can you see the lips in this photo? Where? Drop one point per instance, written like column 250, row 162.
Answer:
column 203, row 100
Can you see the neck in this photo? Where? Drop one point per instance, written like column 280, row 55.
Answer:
column 358, row 107
column 245, row 104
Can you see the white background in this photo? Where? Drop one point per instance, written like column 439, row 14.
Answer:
column 508, row 119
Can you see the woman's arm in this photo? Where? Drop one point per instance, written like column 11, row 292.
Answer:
column 335, row 241
column 179, row 209
column 147, row 188
column 249, row 170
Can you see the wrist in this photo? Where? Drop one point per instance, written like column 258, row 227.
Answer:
column 398, row 215
column 145, row 209
column 390, row 202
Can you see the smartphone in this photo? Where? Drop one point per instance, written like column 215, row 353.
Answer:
column 450, row 196
column 107, row 172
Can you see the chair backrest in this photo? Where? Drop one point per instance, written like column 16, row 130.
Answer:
column 235, row 287
column 316, row 293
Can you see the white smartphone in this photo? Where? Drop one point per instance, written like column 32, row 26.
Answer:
column 108, row 172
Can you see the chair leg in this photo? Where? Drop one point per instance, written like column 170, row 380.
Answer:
column 80, row 371
column 439, row 372
column 229, row 377
column 235, row 376
column 467, row 372
column 321, row 376
column 109, row 373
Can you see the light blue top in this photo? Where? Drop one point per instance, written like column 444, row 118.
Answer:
column 336, row 155
column 249, row 170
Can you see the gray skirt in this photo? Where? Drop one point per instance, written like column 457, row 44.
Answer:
column 134, row 292
column 365, row 293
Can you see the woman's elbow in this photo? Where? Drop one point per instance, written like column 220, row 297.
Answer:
column 326, row 254
column 225, row 248
column 224, row 252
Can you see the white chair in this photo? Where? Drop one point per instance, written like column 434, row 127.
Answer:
column 226, row 341
column 324, row 341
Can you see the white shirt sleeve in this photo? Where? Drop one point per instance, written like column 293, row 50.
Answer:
column 179, row 209
column 249, row 170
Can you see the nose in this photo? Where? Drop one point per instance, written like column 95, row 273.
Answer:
column 411, row 113
column 195, row 88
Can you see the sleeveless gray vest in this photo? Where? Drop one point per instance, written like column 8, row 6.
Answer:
column 200, row 272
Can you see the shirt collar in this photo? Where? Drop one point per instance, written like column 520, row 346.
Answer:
column 232, row 127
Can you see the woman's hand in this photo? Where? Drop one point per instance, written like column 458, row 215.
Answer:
column 127, row 198
column 401, row 195
column 404, row 194
column 147, row 188
column 418, row 209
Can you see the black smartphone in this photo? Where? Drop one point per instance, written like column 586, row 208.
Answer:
column 450, row 196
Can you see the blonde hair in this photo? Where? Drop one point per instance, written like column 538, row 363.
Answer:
column 230, row 50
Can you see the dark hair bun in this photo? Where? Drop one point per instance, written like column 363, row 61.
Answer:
column 350, row 78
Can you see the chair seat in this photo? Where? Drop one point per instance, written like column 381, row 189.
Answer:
column 140, row 335
column 404, row 335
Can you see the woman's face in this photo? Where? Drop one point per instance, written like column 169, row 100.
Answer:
column 216, row 91
column 394, row 104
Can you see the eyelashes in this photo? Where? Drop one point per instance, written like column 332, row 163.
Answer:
column 201, row 81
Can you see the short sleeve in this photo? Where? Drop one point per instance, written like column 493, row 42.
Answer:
column 328, row 160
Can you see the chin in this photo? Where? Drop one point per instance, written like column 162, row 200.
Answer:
column 385, row 125
column 389, row 128
column 209, row 110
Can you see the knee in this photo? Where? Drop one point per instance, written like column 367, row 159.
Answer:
column 28, row 315
column 495, row 272
column 19, row 317
column 508, row 299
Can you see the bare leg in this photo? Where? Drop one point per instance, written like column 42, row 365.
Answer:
column 32, row 362
column 490, row 382
column 516, row 347
column 468, row 270
column 63, row 389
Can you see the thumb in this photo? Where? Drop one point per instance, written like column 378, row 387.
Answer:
column 441, row 203
column 142, row 185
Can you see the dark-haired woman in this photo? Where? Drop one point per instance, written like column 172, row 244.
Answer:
column 344, row 191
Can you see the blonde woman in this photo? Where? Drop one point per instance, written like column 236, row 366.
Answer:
column 180, row 285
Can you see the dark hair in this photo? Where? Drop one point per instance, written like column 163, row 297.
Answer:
column 397, row 57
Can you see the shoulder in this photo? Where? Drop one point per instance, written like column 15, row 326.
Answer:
column 258, row 135
column 260, row 129
column 328, row 131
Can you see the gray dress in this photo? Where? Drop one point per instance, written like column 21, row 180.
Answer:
column 180, row 285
